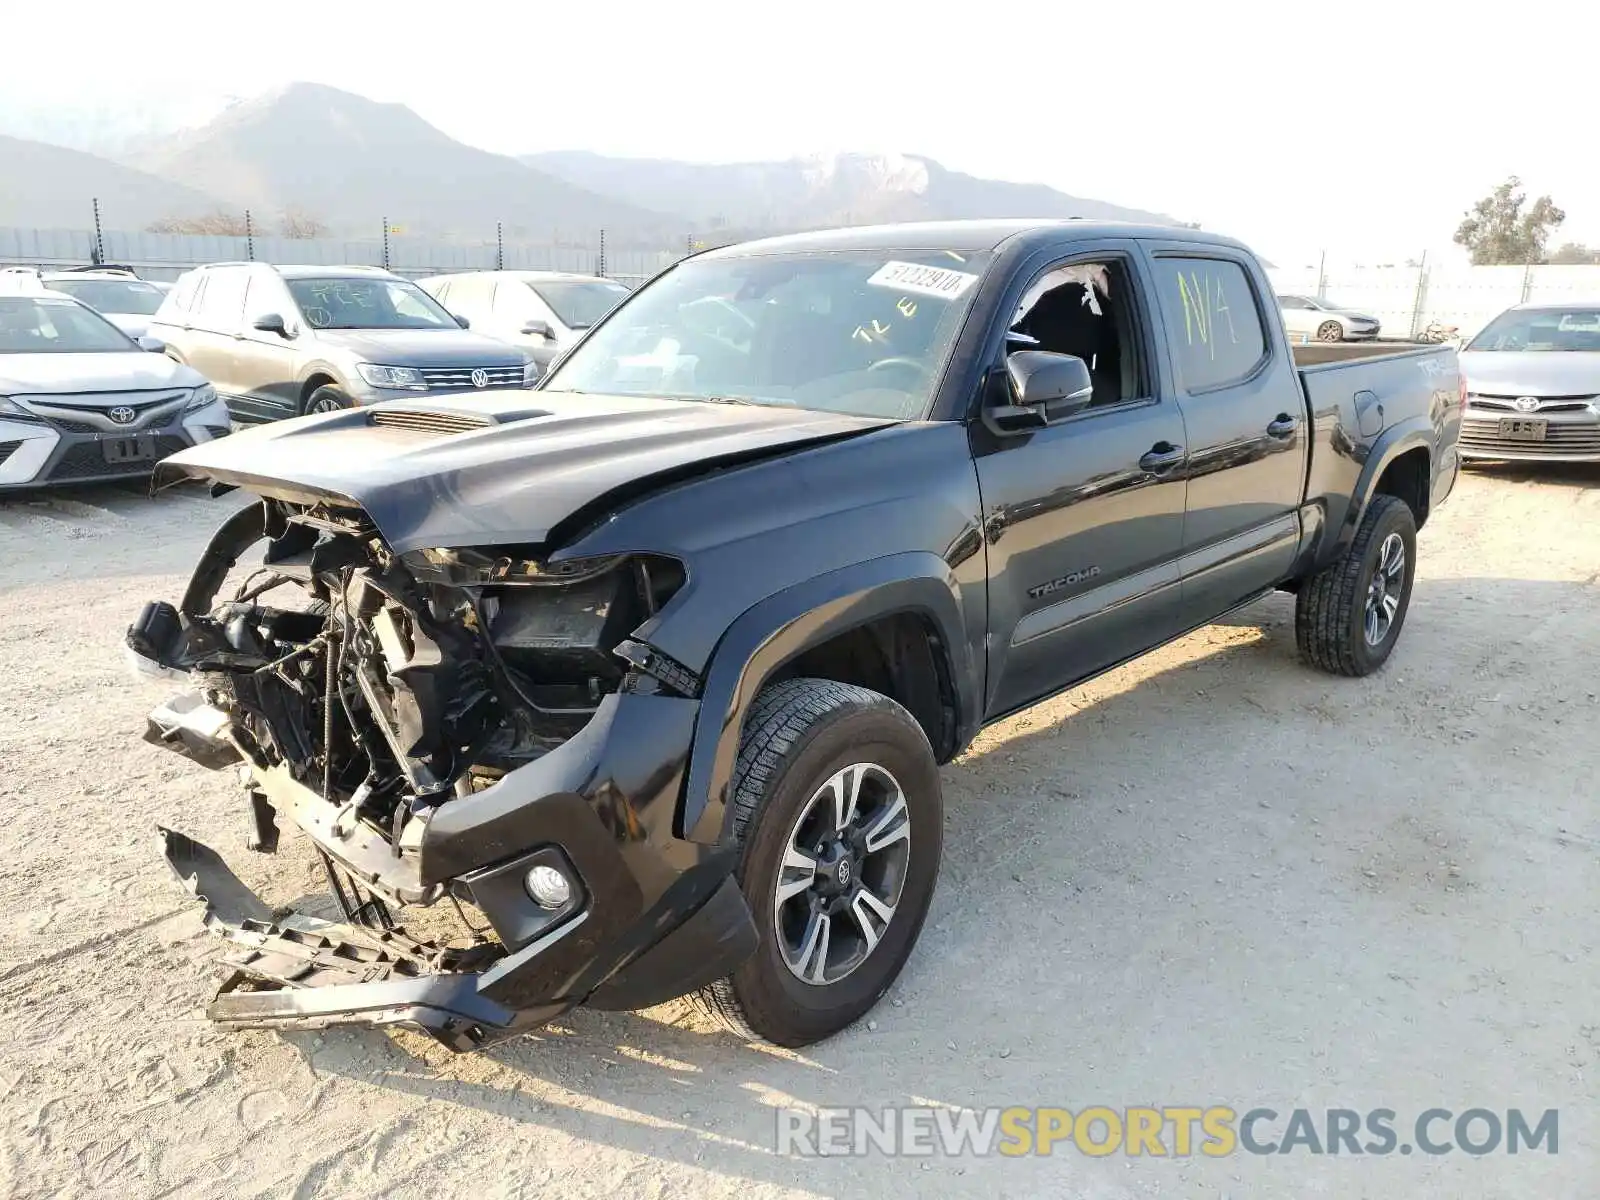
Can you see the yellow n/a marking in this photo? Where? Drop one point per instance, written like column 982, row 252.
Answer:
column 1203, row 303
column 1196, row 312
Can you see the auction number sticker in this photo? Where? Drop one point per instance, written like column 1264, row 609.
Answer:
column 924, row 281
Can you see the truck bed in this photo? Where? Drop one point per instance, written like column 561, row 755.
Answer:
column 1370, row 394
column 1316, row 354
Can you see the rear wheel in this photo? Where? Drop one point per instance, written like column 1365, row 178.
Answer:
column 326, row 399
column 839, row 822
column 1330, row 331
column 1348, row 616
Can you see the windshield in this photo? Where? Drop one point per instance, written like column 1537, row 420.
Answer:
column 131, row 297
column 367, row 304
column 40, row 325
column 1541, row 329
column 860, row 332
column 579, row 303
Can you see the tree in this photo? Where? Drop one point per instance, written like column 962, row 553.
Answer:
column 1497, row 231
column 1576, row 254
column 218, row 222
column 299, row 224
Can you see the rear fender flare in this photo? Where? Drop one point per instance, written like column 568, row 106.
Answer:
column 1411, row 434
column 773, row 632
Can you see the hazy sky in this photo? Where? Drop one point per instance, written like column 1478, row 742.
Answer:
column 1366, row 128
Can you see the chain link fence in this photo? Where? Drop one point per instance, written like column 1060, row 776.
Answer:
column 165, row 256
column 1406, row 299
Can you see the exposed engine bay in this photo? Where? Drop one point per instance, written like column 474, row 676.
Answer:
column 389, row 685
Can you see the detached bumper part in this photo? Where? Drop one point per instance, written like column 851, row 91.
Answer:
column 292, row 971
column 300, row 972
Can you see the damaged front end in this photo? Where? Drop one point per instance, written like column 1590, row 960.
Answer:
column 472, row 735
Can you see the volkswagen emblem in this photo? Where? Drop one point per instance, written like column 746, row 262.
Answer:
column 123, row 415
column 1526, row 404
column 480, row 378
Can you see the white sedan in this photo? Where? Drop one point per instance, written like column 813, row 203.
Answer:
column 1310, row 317
column 80, row 401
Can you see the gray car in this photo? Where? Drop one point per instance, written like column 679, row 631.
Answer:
column 1533, row 385
column 281, row 341
column 80, row 401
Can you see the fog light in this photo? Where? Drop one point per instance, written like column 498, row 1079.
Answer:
column 548, row 887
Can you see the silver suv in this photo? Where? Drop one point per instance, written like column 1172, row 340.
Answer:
column 280, row 341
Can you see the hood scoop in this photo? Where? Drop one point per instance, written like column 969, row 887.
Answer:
column 437, row 422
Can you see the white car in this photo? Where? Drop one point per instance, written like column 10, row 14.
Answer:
column 116, row 293
column 1327, row 322
column 80, row 401
column 542, row 312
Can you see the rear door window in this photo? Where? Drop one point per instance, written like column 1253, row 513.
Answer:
column 1213, row 320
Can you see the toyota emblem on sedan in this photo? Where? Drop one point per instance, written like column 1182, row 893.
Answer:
column 480, row 378
column 1526, row 403
column 123, row 415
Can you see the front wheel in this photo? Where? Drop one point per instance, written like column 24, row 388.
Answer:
column 1330, row 331
column 838, row 819
column 1348, row 616
column 326, row 399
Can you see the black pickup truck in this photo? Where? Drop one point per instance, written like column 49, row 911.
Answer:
column 637, row 685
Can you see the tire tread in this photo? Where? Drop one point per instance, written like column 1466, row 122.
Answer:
column 1324, row 615
column 779, row 720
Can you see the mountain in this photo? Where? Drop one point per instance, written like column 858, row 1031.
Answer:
column 99, row 116
column 350, row 162
column 802, row 193
column 51, row 187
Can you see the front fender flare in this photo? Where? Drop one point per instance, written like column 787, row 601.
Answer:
column 776, row 630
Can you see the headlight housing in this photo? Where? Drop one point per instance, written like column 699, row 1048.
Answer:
column 531, row 373
column 10, row 410
column 204, row 396
column 405, row 379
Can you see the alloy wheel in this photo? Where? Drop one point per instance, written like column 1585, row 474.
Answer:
column 844, row 867
column 1385, row 590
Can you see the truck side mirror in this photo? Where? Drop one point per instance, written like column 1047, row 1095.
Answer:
column 1044, row 387
column 539, row 329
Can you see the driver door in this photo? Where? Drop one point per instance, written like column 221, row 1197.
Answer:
column 1084, row 517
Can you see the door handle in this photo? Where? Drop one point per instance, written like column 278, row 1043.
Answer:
column 1283, row 426
column 1161, row 457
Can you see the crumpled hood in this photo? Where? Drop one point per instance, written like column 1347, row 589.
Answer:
column 1532, row 372
column 424, row 347
column 65, row 374
column 541, row 458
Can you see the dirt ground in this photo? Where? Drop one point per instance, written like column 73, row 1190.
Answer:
column 1212, row 877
